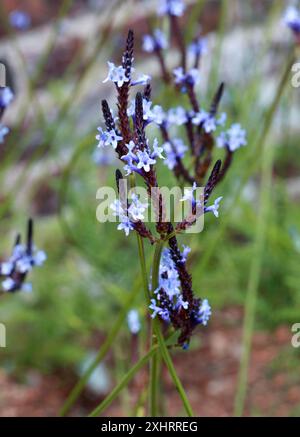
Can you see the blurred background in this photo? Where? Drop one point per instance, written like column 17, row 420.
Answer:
column 50, row 169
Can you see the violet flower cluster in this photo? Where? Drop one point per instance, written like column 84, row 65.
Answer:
column 203, row 126
column 171, row 303
column 14, row 270
column 174, row 300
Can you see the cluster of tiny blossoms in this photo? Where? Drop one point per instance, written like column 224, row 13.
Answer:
column 201, row 124
column 169, row 302
column 14, row 270
column 22, row 260
column 173, row 301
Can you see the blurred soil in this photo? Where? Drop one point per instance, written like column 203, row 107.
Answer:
column 208, row 373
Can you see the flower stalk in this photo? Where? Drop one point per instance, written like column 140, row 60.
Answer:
column 171, row 297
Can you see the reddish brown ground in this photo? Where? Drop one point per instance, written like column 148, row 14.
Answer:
column 208, row 374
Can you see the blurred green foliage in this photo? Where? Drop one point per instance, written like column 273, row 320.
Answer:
column 91, row 266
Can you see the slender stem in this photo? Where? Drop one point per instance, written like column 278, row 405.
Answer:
column 161, row 341
column 169, row 363
column 123, row 383
column 139, row 408
column 153, row 380
column 254, row 279
column 143, row 268
column 76, row 391
column 129, row 375
column 154, row 367
column 256, row 266
column 153, row 362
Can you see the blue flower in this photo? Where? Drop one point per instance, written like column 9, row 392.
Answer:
column 133, row 321
column 204, row 312
column 181, row 303
column 292, row 19
column 215, row 207
column 185, row 252
column 118, row 211
column 173, row 151
column 233, row 138
column 102, row 137
column 131, row 159
column 157, row 310
column 191, row 77
column 116, row 74
column 6, row 96
column 24, row 262
column 144, row 161
column 147, row 112
column 117, row 208
column 168, row 301
column 130, row 154
column 21, row 261
column 158, row 115
column 127, row 218
column 190, row 196
column 125, row 225
column 3, row 132
column 108, row 138
column 198, row 47
column 19, row 19
column 189, row 193
column 171, row 7
column 139, row 160
column 168, row 275
column 208, row 121
column 137, row 208
column 144, row 79
column 157, row 41
column 177, row 116
column 157, row 150
column 10, row 285
column 129, row 168
column 6, row 268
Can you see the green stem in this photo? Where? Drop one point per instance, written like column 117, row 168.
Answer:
column 154, row 366
column 153, row 370
column 123, row 383
column 169, row 363
column 128, row 377
column 254, row 279
column 256, row 266
column 76, row 391
column 143, row 268
column 139, row 408
column 160, row 339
